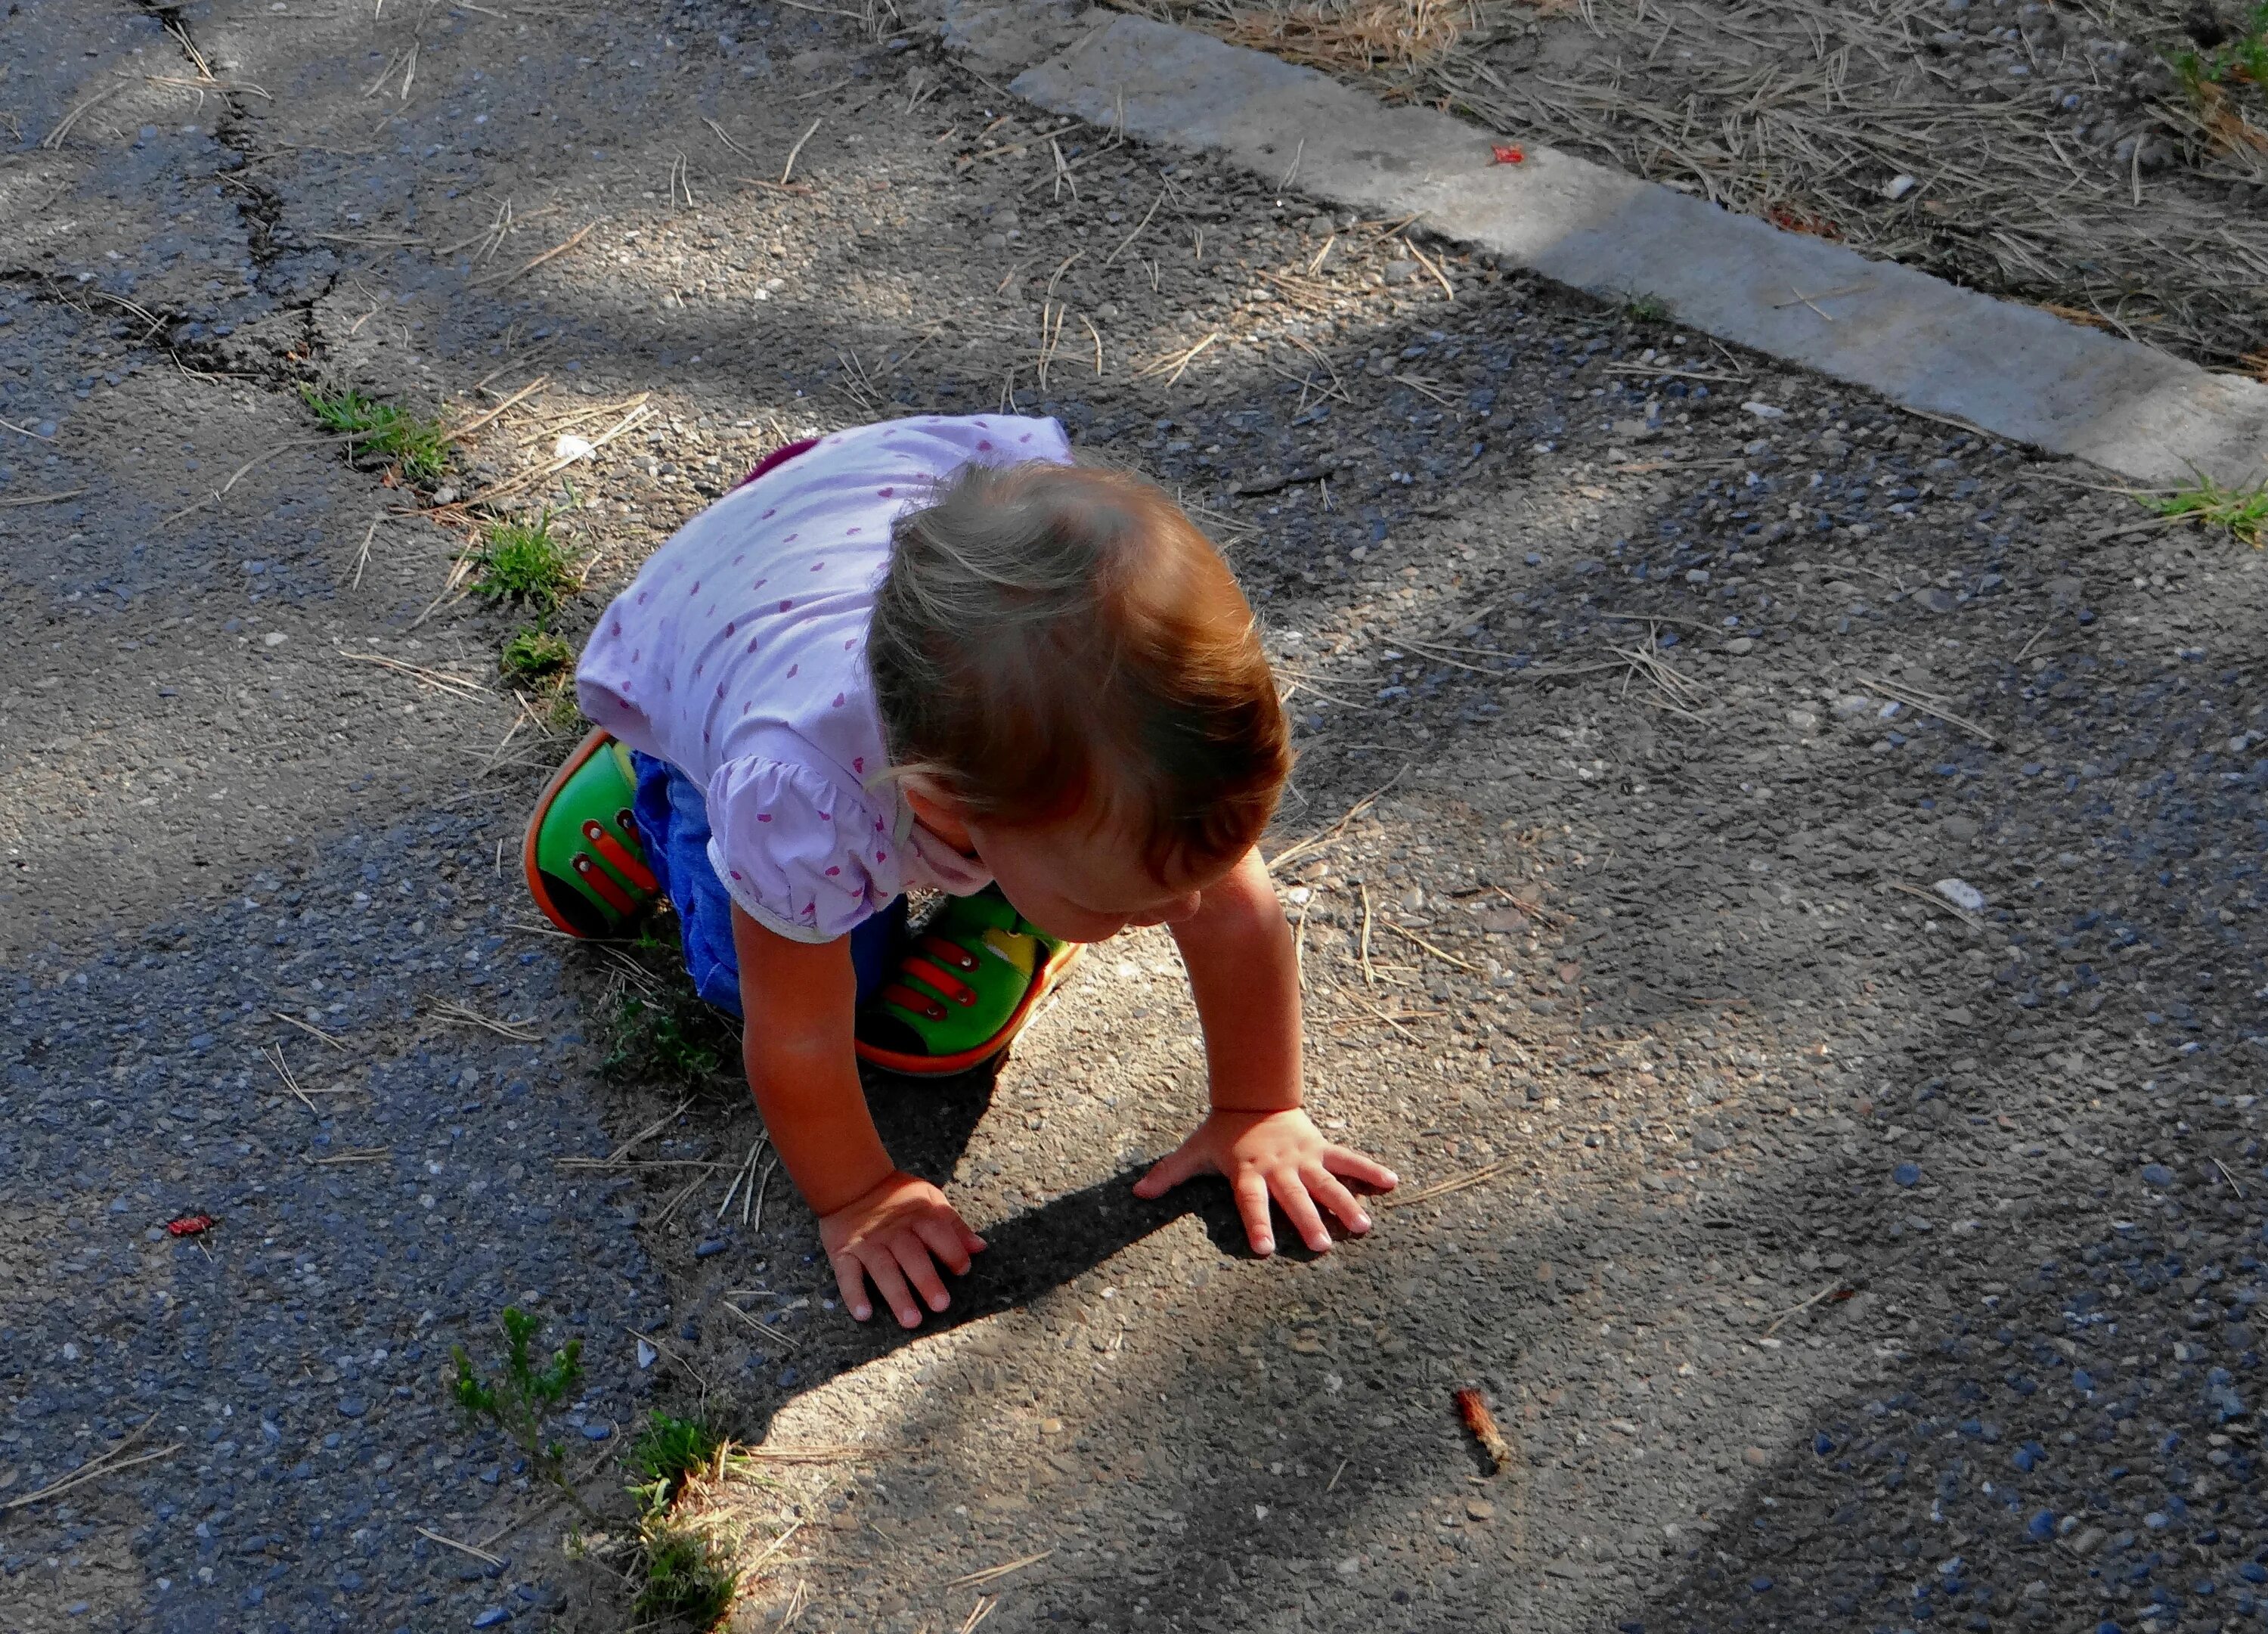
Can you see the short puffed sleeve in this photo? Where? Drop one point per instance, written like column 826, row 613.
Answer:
column 792, row 848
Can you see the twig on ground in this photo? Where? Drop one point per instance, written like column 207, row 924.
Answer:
column 306, row 1026
column 787, row 170
column 463, row 1549
column 105, row 1463
column 1437, row 952
column 993, row 1574
column 1442, row 1189
column 496, row 280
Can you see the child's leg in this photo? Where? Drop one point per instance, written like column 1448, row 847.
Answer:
column 875, row 948
column 672, row 819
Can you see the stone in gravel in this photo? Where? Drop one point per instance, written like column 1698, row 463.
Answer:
column 713, row 1245
column 2157, row 1174
column 490, row 1618
column 1907, row 1174
column 1755, row 1457
column 1961, row 893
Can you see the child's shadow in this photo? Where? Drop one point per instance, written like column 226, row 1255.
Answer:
column 927, row 1125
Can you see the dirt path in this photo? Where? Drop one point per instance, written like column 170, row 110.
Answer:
column 1822, row 1236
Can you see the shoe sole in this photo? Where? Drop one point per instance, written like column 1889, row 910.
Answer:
column 1050, row 977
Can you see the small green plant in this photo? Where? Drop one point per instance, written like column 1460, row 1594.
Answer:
column 2243, row 511
column 1644, row 308
column 683, row 1576
column 669, row 1450
column 2244, row 56
column 520, row 561
column 523, row 1395
column 532, row 654
column 671, row 1035
column 417, row 447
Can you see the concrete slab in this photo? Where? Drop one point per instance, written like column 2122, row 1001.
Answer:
column 2009, row 368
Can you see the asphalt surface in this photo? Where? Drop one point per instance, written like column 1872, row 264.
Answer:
column 1837, row 1255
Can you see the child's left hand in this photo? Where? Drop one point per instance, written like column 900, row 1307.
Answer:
column 1278, row 1154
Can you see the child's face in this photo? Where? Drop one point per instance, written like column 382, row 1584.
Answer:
column 1084, row 884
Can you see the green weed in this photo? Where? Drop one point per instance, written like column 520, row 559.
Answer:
column 683, row 1577
column 415, row 446
column 1644, row 308
column 523, row 1395
column 532, row 654
column 522, row 561
column 671, row 1035
column 2243, row 57
column 669, row 1450
column 2241, row 511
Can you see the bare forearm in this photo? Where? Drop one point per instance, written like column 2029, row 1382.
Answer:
column 1244, row 978
column 815, row 1112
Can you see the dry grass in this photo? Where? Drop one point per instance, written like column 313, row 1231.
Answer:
column 1802, row 112
column 1352, row 35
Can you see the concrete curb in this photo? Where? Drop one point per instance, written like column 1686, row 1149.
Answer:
column 2008, row 368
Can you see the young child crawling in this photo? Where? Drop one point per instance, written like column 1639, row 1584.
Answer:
column 936, row 653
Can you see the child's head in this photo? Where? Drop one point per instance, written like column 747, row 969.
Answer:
column 1067, row 673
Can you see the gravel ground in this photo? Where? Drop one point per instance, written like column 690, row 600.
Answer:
column 1832, row 1252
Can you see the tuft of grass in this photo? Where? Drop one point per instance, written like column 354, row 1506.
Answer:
column 521, row 561
column 670, row 1035
column 532, row 654
column 416, row 446
column 2244, row 56
column 1644, row 308
column 2241, row 511
column 669, row 1450
column 684, row 1579
column 522, row 1396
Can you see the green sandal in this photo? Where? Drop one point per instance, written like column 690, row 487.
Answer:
column 584, row 863
column 964, row 990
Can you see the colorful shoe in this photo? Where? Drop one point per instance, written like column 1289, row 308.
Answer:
column 585, row 865
column 964, row 990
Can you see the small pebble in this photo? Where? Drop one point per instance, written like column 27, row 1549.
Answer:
column 702, row 1250
column 1907, row 1174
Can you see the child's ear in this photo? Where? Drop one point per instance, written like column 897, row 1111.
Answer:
column 936, row 806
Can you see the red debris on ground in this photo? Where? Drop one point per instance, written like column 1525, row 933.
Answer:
column 1508, row 155
column 1482, row 1423
column 191, row 1225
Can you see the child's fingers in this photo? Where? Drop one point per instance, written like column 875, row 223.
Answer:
column 948, row 1240
column 1169, row 1172
column 1252, row 1205
column 1353, row 1166
column 890, row 1283
column 1290, row 1192
column 969, row 1241
column 850, row 1282
column 912, row 1255
column 1323, row 1186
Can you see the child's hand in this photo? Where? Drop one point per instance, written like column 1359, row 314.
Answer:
column 890, row 1236
column 1273, row 1154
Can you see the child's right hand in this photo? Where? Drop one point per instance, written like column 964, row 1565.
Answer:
column 896, row 1234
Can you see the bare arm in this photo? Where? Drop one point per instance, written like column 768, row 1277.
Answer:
column 1244, row 976
column 877, row 1223
column 1245, row 981
column 797, row 998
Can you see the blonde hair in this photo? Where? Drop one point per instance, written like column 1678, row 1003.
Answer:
column 1052, row 640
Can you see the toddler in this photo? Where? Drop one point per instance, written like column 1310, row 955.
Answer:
column 936, row 653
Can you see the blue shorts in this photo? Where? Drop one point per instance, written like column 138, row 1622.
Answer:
column 673, row 819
